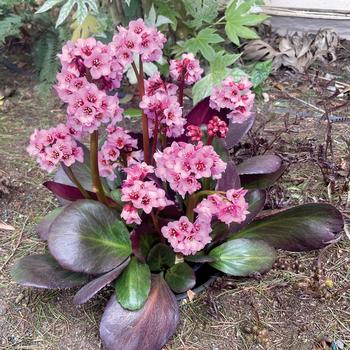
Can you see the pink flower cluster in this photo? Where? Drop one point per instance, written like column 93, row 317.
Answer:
column 186, row 69
column 89, row 68
column 187, row 237
column 161, row 107
column 138, row 39
column 217, row 127
column 118, row 140
column 234, row 96
column 194, row 132
column 183, row 164
column 140, row 194
column 53, row 146
column 230, row 208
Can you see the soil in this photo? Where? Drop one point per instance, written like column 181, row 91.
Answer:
column 303, row 303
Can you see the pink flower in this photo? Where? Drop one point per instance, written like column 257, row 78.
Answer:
column 118, row 142
column 187, row 69
column 217, row 127
column 55, row 145
column 139, row 39
column 230, row 208
column 161, row 106
column 186, row 237
column 99, row 64
column 183, row 164
column 130, row 215
column 234, row 96
column 144, row 195
column 194, row 133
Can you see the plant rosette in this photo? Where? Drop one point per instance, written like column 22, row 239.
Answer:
column 141, row 211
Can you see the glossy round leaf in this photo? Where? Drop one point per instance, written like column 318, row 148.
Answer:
column 305, row 227
column 44, row 225
column 180, row 278
column 242, row 257
column 43, row 271
column 133, row 285
column 160, row 257
column 146, row 329
column 264, row 164
column 88, row 237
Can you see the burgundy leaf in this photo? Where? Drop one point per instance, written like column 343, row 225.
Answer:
column 262, row 181
column 43, row 271
column 143, row 238
column 67, row 192
column 305, row 227
column 265, row 164
column 236, row 131
column 72, row 193
column 44, row 225
column 93, row 287
column 146, row 329
column 230, row 178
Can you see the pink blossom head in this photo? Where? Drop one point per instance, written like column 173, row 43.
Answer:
column 234, row 96
column 186, row 237
column 186, row 69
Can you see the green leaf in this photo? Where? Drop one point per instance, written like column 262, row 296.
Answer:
column 9, row 26
column 238, row 19
column 133, row 285
column 88, row 237
column 201, row 11
column 160, row 257
column 152, row 16
column 43, row 271
column 202, row 43
column 242, row 257
column 82, row 12
column 133, row 112
column 260, row 72
column 47, row 5
column 180, row 278
column 218, row 71
column 64, row 12
column 202, row 88
column 302, row 228
column 163, row 20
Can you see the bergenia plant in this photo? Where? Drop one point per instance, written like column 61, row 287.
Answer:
column 155, row 214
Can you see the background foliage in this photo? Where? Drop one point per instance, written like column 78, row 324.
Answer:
column 212, row 30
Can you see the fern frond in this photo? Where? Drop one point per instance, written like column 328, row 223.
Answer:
column 45, row 59
column 9, row 26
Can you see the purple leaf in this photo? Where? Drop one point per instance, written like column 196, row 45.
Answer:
column 143, row 238
column 66, row 192
column 302, row 228
column 88, row 237
column 230, row 178
column 265, row 164
column 43, row 271
column 262, row 181
column 148, row 328
column 236, row 131
column 94, row 286
column 44, row 225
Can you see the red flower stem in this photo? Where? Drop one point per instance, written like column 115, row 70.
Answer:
column 182, row 88
column 156, row 226
column 155, row 136
column 94, row 168
column 210, row 139
column 141, row 84
column 77, row 183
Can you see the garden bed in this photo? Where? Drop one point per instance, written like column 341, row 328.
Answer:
column 301, row 303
